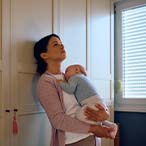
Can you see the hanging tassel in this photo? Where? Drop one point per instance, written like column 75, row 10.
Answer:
column 15, row 124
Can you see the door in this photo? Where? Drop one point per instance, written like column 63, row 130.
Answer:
column 100, row 52
column 1, row 132
column 70, row 24
column 88, row 38
column 23, row 23
column 5, row 123
column 1, row 72
column 30, row 21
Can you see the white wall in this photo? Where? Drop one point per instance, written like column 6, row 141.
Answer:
column 85, row 27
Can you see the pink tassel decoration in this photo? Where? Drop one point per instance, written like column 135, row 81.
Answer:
column 15, row 124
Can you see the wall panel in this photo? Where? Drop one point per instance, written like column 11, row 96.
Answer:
column 70, row 23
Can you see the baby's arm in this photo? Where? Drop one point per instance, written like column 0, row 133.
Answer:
column 69, row 86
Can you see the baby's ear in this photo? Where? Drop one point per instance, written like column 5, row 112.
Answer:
column 83, row 70
column 85, row 73
column 66, row 77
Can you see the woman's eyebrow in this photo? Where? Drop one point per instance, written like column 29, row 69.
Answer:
column 56, row 42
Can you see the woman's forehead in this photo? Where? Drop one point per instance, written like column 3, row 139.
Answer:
column 54, row 39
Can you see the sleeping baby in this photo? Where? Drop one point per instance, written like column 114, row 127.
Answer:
column 78, row 84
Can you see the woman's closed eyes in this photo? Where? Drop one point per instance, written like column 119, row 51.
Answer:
column 55, row 44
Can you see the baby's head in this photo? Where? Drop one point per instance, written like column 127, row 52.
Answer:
column 74, row 70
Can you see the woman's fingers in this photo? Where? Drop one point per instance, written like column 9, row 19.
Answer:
column 102, row 108
column 102, row 131
column 89, row 117
column 90, row 111
column 96, row 115
column 108, row 131
column 99, row 106
column 91, row 114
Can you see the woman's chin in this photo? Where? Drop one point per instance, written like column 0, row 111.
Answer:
column 63, row 56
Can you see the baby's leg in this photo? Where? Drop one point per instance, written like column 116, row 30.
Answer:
column 89, row 102
column 113, row 125
column 80, row 114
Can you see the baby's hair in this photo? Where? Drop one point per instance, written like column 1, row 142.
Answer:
column 82, row 69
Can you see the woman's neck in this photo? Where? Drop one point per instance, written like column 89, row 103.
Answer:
column 54, row 68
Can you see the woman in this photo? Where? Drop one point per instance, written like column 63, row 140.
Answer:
column 60, row 106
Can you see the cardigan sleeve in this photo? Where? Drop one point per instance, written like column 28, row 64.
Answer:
column 50, row 100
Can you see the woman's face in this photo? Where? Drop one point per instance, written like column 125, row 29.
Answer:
column 55, row 50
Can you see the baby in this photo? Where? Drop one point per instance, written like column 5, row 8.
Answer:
column 86, row 95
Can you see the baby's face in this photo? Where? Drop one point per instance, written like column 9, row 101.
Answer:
column 73, row 70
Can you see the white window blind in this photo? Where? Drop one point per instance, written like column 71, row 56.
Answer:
column 134, row 52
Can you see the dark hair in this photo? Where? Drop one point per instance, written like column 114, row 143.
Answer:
column 41, row 47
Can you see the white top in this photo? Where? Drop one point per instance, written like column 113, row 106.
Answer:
column 71, row 106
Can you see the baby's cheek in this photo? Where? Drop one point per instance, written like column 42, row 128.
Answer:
column 66, row 77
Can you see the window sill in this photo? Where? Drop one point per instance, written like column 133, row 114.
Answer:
column 130, row 108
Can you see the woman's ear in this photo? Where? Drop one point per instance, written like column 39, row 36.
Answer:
column 44, row 56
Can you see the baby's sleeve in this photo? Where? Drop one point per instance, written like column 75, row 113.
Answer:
column 69, row 86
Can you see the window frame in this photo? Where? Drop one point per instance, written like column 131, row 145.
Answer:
column 124, row 104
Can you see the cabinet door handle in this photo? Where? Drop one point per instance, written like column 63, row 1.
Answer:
column 7, row 111
column 15, row 123
column 15, row 110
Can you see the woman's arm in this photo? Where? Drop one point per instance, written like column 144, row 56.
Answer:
column 51, row 102
column 101, row 131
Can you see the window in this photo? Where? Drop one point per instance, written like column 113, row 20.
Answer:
column 134, row 52
column 130, row 51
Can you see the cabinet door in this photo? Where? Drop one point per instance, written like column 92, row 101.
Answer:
column 1, row 71
column 4, row 74
column 70, row 23
column 1, row 132
column 30, row 21
column 100, row 51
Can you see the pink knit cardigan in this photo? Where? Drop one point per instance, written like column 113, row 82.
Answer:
column 51, row 98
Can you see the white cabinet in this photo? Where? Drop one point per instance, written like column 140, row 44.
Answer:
column 1, row 117
column 70, row 24
column 85, row 29
column 4, row 78
column 23, row 23
column 30, row 20
column 100, row 51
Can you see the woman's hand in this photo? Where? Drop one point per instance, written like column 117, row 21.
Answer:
column 101, row 114
column 101, row 131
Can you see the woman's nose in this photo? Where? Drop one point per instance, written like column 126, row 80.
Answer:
column 62, row 46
